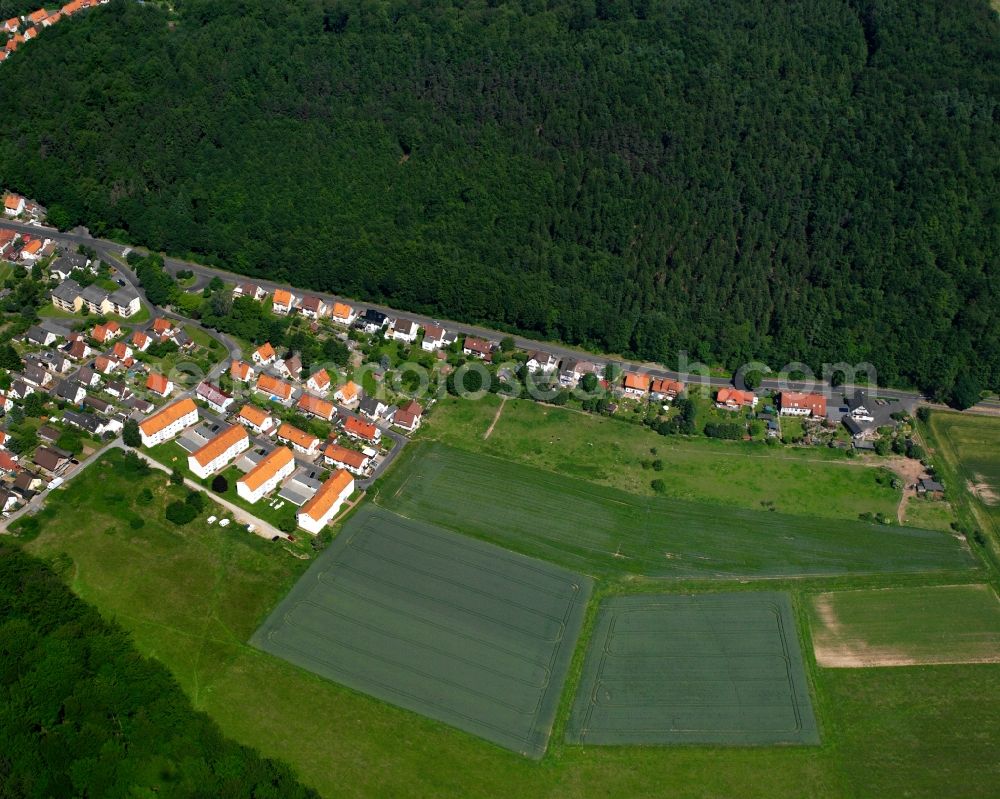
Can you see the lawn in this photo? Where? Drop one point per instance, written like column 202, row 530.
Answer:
column 705, row 668
column 171, row 454
column 450, row 627
column 603, row 531
column 811, row 482
column 192, row 596
column 907, row 626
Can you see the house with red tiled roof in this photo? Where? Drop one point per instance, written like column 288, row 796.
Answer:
column 313, row 307
column 264, row 354
column 795, row 403
column 241, row 371
column 141, row 341
column 362, row 430
column 733, row 399
column 636, row 384
column 315, row 406
column 315, row 514
column 666, row 389
column 301, row 441
column 159, row 384
column 274, row 388
column 263, row 478
column 408, row 417
column 284, row 301
column 348, row 394
column 257, row 419
column 319, row 381
column 344, row 458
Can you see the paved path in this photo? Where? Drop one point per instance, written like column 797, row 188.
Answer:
column 173, row 265
column 261, row 528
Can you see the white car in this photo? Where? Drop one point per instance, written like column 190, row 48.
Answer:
column 211, row 519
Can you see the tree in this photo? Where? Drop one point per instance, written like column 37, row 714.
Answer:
column 220, row 485
column 131, row 435
column 589, row 382
column 145, row 496
column 288, row 524
column 9, row 359
column 915, row 451
column 180, row 513
column 176, row 476
column 882, row 446
column 70, row 441
column 966, row 393
column 507, row 344
column 658, row 486
column 34, row 404
column 196, row 500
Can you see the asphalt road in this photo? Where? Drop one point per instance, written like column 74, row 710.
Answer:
column 205, row 273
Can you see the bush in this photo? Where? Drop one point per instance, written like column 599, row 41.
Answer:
column 658, row 465
column 924, row 414
column 144, row 497
column 177, row 477
column 288, row 524
column 658, row 486
column 180, row 513
column 220, row 485
column 136, row 522
column 196, row 500
column 728, row 430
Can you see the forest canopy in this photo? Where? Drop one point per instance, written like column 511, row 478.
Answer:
column 82, row 713
column 812, row 180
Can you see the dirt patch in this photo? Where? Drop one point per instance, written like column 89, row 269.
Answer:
column 984, row 492
column 496, row 418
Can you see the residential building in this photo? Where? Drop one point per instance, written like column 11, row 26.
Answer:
column 67, row 296
column 344, row 458
column 79, row 349
column 319, row 382
column 118, row 389
column 343, row 314
column 326, row 502
column 636, row 384
column 123, row 352
column 478, row 348
column 404, row 330
column 168, row 422
column 93, row 298
column 313, row 307
column 434, row 338
column 251, row 290
column 106, row 365
column 539, row 361
column 372, row 407
column 409, row 416
column 241, row 371
column 795, row 403
column 257, row 419
column 91, row 423
column 733, row 399
column 159, row 384
column 70, row 391
column 300, row 440
column 106, row 332
column 219, row 452
column 267, row 475
column 141, row 341
column 264, row 354
column 315, row 406
column 348, row 393
column 38, row 337
column 274, row 388
column 51, row 459
column 372, row 321
column 284, row 301
column 357, row 428
column 665, row 389
column 290, row 367
column 217, row 399
column 13, row 204
column 123, row 302
column 859, row 408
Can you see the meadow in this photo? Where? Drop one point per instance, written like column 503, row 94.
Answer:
column 192, row 596
column 603, row 531
column 812, row 481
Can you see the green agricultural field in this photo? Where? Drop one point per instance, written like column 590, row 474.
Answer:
column 450, row 627
column 192, row 596
column 603, row 531
column 906, row 626
column 707, row 668
column 804, row 481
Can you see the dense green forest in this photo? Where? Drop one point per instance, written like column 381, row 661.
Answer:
column 809, row 180
column 82, row 713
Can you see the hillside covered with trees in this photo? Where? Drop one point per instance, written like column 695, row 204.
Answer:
column 811, row 180
column 82, row 713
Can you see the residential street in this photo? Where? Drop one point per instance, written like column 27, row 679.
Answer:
column 109, row 249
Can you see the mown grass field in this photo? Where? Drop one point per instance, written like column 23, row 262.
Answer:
column 192, row 596
column 970, row 446
column 603, row 531
column 805, row 481
column 907, row 626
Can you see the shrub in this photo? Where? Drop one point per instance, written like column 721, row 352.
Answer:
column 220, row 485
column 144, row 497
column 177, row 477
column 180, row 513
column 658, row 465
column 136, row 522
column 196, row 500
column 658, row 486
